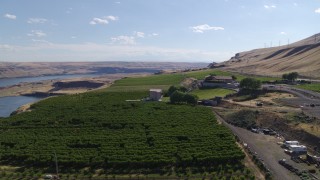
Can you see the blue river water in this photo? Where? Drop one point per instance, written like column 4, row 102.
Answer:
column 12, row 81
column 11, row 103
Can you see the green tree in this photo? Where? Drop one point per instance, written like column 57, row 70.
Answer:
column 183, row 89
column 191, row 99
column 177, row 97
column 293, row 76
column 234, row 77
column 171, row 90
column 284, row 76
column 250, row 84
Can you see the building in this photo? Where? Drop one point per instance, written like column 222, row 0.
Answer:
column 219, row 81
column 155, row 94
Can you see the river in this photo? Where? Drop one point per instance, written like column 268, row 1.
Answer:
column 12, row 81
column 11, row 103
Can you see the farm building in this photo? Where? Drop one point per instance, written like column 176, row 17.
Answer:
column 155, row 94
column 219, row 81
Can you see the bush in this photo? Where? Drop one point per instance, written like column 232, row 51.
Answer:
column 243, row 118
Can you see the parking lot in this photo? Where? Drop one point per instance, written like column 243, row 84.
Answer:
column 269, row 152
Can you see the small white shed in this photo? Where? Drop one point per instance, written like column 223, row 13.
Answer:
column 155, row 94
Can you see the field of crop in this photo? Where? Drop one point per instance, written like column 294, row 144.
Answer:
column 311, row 87
column 211, row 93
column 100, row 130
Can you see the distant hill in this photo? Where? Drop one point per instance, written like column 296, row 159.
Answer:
column 31, row 69
column 302, row 56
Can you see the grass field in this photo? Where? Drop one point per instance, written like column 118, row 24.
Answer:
column 311, row 87
column 163, row 81
column 211, row 93
column 203, row 73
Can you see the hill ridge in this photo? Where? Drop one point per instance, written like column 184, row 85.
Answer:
column 302, row 56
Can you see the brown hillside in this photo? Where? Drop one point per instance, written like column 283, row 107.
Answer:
column 302, row 56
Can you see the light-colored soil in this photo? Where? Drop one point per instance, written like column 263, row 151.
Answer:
column 270, row 102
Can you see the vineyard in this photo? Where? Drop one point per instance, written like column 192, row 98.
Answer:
column 101, row 129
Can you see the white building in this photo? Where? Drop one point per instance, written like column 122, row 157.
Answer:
column 155, row 94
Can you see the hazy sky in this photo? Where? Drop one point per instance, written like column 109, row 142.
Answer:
column 149, row 30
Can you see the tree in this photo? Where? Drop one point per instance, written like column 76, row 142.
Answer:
column 292, row 76
column 250, row 84
column 234, row 77
column 171, row 90
column 191, row 99
column 284, row 76
column 177, row 97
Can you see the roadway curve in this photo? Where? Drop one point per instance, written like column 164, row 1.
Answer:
column 303, row 99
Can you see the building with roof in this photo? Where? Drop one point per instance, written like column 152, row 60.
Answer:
column 219, row 81
column 155, row 94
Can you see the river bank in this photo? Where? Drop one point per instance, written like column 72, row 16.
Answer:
column 18, row 98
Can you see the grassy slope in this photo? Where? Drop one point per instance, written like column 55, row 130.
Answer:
column 202, row 74
column 311, row 87
column 145, row 83
column 211, row 93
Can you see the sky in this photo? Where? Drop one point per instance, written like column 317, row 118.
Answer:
column 150, row 30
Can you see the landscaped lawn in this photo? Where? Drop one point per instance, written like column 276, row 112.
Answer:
column 311, row 87
column 211, row 93
column 201, row 74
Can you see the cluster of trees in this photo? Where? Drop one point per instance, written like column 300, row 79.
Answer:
column 179, row 95
column 250, row 84
column 101, row 129
column 290, row 76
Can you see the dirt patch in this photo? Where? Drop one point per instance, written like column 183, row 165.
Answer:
column 188, row 82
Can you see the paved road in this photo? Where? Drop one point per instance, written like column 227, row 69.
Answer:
column 267, row 149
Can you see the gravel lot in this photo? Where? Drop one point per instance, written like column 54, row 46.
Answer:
column 303, row 100
column 268, row 150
